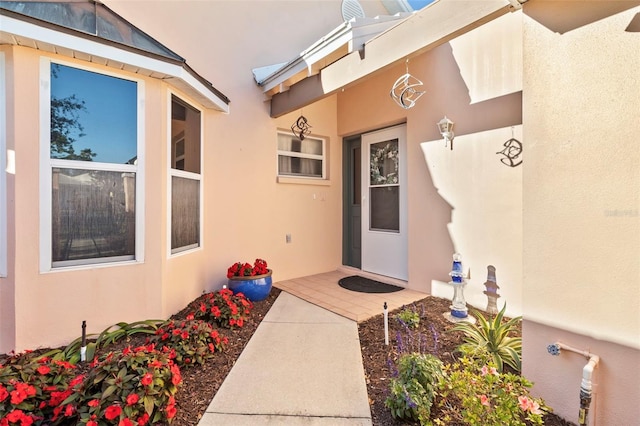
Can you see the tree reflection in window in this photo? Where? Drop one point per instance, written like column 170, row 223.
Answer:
column 93, row 119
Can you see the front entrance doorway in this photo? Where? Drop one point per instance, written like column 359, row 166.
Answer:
column 375, row 215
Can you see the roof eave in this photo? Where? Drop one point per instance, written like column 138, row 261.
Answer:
column 350, row 36
column 445, row 19
column 21, row 30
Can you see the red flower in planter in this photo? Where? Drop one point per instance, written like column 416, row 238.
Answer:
column 240, row 269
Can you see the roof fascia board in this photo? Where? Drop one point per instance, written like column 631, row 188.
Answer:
column 168, row 69
column 444, row 19
column 335, row 39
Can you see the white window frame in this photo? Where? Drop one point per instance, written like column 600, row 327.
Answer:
column 184, row 174
column 3, row 169
column 323, row 157
column 47, row 164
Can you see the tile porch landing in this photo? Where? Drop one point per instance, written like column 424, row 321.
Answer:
column 323, row 290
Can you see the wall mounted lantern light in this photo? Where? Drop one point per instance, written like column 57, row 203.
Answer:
column 445, row 126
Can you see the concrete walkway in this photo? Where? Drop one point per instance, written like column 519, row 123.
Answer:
column 303, row 366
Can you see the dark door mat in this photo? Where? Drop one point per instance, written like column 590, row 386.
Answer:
column 365, row 285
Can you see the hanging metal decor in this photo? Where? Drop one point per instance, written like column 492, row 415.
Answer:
column 301, row 127
column 512, row 151
column 404, row 91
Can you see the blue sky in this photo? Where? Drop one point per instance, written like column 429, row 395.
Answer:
column 419, row 4
column 110, row 118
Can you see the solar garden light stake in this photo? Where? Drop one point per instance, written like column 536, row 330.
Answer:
column 386, row 324
column 83, row 348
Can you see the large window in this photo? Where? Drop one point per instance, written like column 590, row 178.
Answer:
column 185, row 176
column 301, row 158
column 92, row 174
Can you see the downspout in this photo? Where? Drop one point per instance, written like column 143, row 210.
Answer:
column 586, row 386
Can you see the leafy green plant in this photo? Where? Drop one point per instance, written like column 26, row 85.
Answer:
column 32, row 388
column 135, row 386
column 413, row 390
column 189, row 342
column 486, row 397
column 224, row 308
column 408, row 317
column 123, row 330
column 111, row 334
column 495, row 336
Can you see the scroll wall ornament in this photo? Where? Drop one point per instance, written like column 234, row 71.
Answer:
column 301, row 127
column 512, row 151
column 404, row 91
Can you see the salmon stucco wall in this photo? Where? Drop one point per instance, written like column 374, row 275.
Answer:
column 49, row 307
column 246, row 212
column 581, row 205
column 7, row 282
column 446, row 188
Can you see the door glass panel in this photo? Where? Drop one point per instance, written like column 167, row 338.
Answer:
column 384, row 192
column 385, row 209
column 383, row 163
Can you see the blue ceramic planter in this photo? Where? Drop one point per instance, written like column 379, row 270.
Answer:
column 255, row 288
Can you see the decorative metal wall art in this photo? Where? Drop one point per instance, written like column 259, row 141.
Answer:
column 404, row 91
column 301, row 128
column 512, row 151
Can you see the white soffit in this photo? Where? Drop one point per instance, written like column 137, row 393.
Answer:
column 21, row 33
column 436, row 24
column 349, row 37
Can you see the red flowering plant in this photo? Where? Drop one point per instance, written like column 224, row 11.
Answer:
column 132, row 387
column 189, row 342
column 34, row 387
column 224, row 308
column 240, row 269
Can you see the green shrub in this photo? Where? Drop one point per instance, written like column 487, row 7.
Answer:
column 486, row 396
column 494, row 336
column 408, row 317
column 413, row 390
column 224, row 308
column 135, row 386
column 189, row 342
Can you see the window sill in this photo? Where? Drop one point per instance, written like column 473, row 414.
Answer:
column 303, row 181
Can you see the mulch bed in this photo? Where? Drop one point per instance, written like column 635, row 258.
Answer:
column 200, row 383
column 376, row 356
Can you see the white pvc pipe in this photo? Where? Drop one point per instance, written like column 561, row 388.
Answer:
column 586, row 385
column 587, row 372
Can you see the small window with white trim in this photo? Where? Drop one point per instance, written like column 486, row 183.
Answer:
column 302, row 157
column 186, row 179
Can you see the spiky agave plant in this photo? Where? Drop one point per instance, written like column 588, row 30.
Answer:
column 495, row 337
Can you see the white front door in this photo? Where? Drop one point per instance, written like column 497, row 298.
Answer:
column 384, row 202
